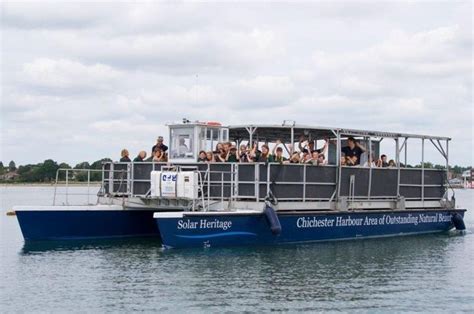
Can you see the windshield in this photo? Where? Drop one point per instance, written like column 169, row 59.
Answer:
column 181, row 144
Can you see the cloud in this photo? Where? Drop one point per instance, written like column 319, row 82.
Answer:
column 70, row 75
column 80, row 82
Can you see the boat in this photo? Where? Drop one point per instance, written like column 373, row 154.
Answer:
column 185, row 203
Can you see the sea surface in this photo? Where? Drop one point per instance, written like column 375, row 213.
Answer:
column 428, row 273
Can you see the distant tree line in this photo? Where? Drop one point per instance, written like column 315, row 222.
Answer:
column 46, row 171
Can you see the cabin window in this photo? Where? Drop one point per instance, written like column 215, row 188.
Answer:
column 181, row 145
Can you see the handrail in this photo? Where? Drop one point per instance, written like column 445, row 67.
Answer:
column 67, row 172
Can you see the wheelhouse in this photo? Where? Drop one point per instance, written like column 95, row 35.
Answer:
column 187, row 139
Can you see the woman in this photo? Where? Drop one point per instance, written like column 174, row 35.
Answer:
column 209, row 157
column 124, row 154
column 392, row 164
column 244, row 153
column 265, row 156
column 158, row 156
column 220, row 156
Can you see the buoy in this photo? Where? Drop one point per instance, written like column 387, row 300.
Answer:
column 11, row 213
column 458, row 222
column 272, row 219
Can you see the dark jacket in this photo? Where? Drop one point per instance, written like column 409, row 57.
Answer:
column 162, row 146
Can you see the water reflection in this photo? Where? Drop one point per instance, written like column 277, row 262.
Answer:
column 32, row 247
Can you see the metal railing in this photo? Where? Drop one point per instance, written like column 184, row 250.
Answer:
column 79, row 177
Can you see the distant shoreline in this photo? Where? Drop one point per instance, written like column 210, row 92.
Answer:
column 62, row 183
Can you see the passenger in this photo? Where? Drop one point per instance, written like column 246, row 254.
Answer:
column 160, row 156
column 370, row 162
column 255, row 152
column 244, row 153
column 306, row 144
column 322, row 160
column 219, row 146
column 343, row 159
column 209, row 157
column 220, row 156
column 141, row 156
column 392, row 164
column 306, row 157
column 265, row 155
column 232, row 155
column 314, row 158
column 159, row 144
column 226, row 146
column 279, row 156
column 295, row 158
column 202, row 156
column 382, row 162
column 124, row 154
column 353, row 151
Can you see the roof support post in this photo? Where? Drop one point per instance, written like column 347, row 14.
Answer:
column 292, row 140
column 369, row 189
column 447, row 167
column 397, row 158
column 423, row 171
column 339, row 168
column 406, row 151
column 251, row 130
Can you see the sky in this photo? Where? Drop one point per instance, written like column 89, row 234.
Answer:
column 81, row 81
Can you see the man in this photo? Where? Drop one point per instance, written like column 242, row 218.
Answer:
column 353, row 151
column 159, row 144
column 382, row 162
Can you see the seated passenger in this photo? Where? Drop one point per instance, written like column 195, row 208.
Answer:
column 382, row 162
column 124, row 154
column 141, row 156
column 159, row 144
column 353, row 151
column 202, row 156
column 392, row 164
column 265, row 156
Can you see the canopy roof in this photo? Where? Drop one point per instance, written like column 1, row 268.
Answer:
column 271, row 133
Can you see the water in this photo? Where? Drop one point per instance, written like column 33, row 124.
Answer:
column 422, row 273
